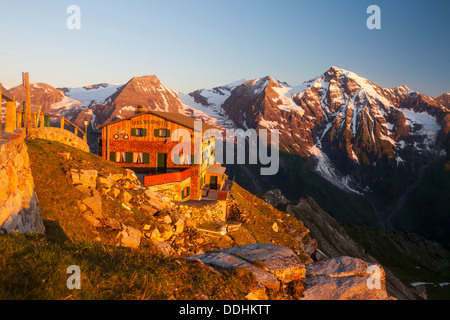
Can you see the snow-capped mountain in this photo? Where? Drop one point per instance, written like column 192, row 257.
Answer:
column 105, row 102
column 338, row 119
column 91, row 95
column 207, row 104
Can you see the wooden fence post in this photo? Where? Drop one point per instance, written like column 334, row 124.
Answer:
column 1, row 98
column 38, row 116
column 26, row 84
column 19, row 119
column 10, row 124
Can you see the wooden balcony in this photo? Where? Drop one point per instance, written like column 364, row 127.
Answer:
column 163, row 178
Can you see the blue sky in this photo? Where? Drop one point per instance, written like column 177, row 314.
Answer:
column 201, row 44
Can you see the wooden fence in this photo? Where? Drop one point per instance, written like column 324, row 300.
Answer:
column 41, row 120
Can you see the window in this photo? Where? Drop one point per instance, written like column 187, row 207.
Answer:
column 138, row 132
column 138, row 157
column 162, row 133
column 119, row 156
column 146, row 158
column 186, row 192
column 129, row 157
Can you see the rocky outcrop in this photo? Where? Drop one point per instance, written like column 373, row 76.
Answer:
column 276, row 268
column 275, row 198
column 19, row 208
column 334, row 242
column 344, row 278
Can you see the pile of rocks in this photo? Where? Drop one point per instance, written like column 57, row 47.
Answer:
column 174, row 233
column 170, row 228
column 122, row 187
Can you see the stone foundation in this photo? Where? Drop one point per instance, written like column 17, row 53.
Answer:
column 19, row 209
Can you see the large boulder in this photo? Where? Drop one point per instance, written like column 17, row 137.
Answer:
column 345, row 278
column 269, row 263
column 280, row 261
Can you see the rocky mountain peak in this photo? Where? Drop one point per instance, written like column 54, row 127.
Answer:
column 147, row 91
column 41, row 94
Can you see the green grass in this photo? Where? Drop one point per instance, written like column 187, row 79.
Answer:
column 34, row 268
column 263, row 216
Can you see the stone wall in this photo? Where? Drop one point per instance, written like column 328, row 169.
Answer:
column 19, row 209
column 60, row 135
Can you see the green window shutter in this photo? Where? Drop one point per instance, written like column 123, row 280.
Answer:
column 188, row 191
column 146, row 158
column 144, row 132
column 46, row 121
column 182, row 194
column 133, row 132
column 112, row 156
column 167, row 133
column 161, row 160
column 156, row 132
column 176, row 159
column 129, row 157
column 193, row 159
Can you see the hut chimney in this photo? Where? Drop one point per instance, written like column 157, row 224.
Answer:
column 140, row 109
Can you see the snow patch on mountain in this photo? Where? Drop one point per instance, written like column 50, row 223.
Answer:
column 212, row 113
column 93, row 94
column 325, row 169
column 428, row 123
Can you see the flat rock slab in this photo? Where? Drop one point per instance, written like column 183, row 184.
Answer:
column 85, row 177
column 95, row 205
column 280, row 261
column 228, row 262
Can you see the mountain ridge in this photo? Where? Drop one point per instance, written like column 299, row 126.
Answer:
column 362, row 138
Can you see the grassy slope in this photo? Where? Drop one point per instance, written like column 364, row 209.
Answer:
column 262, row 218
column 34, row 266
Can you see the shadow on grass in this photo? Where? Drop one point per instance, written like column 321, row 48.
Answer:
column 55, row 232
